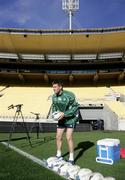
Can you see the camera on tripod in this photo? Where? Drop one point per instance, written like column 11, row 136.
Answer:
column 18, row 114
column 18, row 106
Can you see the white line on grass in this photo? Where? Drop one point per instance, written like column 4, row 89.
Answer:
column 29, row 156
column 33, row 158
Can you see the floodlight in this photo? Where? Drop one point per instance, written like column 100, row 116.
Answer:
column 70, row 6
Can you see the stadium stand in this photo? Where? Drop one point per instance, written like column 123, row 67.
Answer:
column 117, row 107
column 90, row 93
column 120, row 89
column 34, row 99
column 90, row 62
column 38, row 99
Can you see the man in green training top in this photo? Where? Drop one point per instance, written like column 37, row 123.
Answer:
column 64, row 102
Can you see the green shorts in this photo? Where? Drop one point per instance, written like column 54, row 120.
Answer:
column 63, row 125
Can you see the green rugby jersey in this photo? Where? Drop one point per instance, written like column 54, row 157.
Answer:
column 66, row 103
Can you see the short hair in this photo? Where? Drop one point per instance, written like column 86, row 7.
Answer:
column 59, row 82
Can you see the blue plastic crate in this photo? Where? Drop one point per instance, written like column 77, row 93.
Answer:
column 108, row 151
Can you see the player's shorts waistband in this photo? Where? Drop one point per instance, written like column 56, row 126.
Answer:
column 62, row 126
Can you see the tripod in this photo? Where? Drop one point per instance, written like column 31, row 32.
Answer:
column 37, row 125
column 17, row 114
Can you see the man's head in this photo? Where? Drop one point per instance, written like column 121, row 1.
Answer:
column 57, row 86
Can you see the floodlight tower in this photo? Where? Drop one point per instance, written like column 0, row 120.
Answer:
column 70, row 6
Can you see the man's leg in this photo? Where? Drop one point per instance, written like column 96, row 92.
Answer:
column 69, row 137
column 59, row 137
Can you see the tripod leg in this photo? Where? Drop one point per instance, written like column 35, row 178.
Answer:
column 27, row 132
column 12, row 128
column 37, row 129
column 41, row 129
column 32, row 127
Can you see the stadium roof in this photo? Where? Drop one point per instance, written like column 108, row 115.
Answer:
column 92, row 41
column 79, row 57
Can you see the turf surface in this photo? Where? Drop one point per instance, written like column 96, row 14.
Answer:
column 15, row 167
column 85, row 153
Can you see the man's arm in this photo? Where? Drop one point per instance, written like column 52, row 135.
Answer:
column 54, row 108
column 73, row 107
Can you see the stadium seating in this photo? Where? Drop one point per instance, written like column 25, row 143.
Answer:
column 90, row 93
column 119, row 89
column 38, row 99
column 34, row 99
column 117, row 107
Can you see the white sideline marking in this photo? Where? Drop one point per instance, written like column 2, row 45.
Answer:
column 29, row 156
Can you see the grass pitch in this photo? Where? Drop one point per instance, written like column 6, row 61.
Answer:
column 17, row 167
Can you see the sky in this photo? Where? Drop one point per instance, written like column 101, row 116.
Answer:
column 48, row 14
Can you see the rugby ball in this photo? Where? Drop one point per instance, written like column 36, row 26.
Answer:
column 64, row 169
column 96, row 176
column 73, row 171
column 84, row 174
column 56, row 115
column 50, row 161
column 57, row 165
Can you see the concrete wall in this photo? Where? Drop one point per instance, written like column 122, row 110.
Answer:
column 110, row 119
column 121, row 124
column 106, row 114
column 44, row 127
column 122, row 98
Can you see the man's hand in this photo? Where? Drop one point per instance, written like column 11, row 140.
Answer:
column 61, row 114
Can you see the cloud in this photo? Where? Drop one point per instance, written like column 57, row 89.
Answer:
column 15, row 12
column 32, row 13
column 20, row 12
